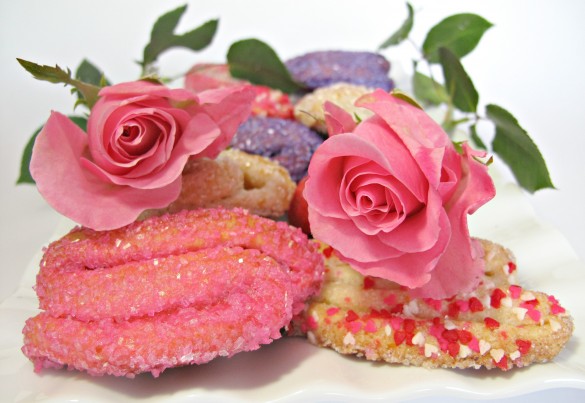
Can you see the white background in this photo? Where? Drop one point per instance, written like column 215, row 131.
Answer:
column 531, row 63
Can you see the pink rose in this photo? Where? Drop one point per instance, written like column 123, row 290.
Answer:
column 391, row 195
column 208, row 76
column 139, row 137
column 267, row 101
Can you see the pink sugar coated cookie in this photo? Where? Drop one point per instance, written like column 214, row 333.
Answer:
column 189, row 231
column 147, row 287
column 237, row 321
column 169, row 291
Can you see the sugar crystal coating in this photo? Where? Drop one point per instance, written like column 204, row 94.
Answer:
column 323, row 68
column 235, row 321
column 381, row 321
column 142, row 288
column 168, row 291
column 234, row 179
column 288, row 142
column 310, row 112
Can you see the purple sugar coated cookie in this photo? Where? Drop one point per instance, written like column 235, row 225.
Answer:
column 286, row 141
column 323, row 68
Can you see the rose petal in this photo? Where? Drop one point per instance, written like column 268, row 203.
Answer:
column 461, row 266
column 109, row 118
column 419, row 231
column 408, row 270
column 337, row 119
column 449, row 177
column 187, row 135
column 228, row 107
column 200, row 132
column 67, row 187
column 374, row 143
column 327, row 167
column 333, row 156
column 158, row 130
column 392, row 198
column 390, row 202
column 392, row 192
column 136, row 139
column 146, row 89
column 203, row 77
column 420, row 133
column 343, row 236
column 394, row 156
column 58, row 145
column 377, row 259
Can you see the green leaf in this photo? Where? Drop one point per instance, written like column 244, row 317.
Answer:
column 428, row 90
column 459, row 33
column 405, row 97
column 198, row 38
column 89, row 73
column 25, row 176
column 475, row 137
column 166, row 24
column 402, row 33
column 53, row 75
column 162, row 36
column 459, row 85
column 80, row 121
column 518, row 151
column 257, row 62
column 57, row 75
column 449, row 125
column 458, row 146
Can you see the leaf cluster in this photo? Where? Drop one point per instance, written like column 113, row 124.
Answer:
column 86, row 83
column 445, row 44
column 257, row 62
column 163, row 37
column 25, row 176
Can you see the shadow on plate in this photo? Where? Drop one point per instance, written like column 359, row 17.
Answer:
column 243, row 371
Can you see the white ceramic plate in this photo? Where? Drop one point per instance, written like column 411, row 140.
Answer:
column 292, row 370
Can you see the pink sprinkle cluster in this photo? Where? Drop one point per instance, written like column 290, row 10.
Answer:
column 451, row 326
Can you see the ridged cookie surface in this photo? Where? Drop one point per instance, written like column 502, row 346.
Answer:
column 309, row 110
column 234, row 179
